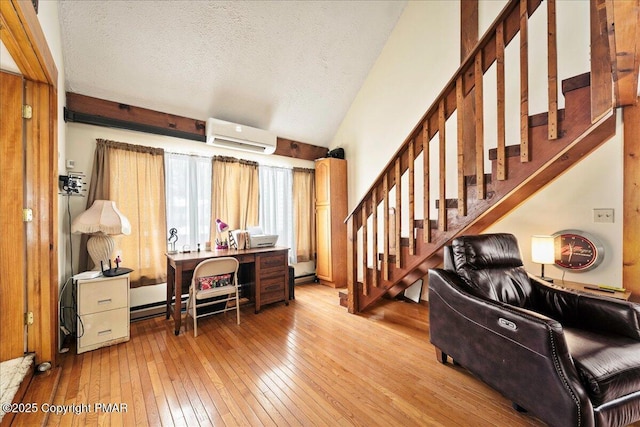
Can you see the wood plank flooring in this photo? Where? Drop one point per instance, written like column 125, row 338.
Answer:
column 310, row 363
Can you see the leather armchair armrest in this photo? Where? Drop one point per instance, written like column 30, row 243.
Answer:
column 587, row 311
column 530, row 329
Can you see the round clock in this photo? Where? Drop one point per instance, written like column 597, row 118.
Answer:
column 577, row 250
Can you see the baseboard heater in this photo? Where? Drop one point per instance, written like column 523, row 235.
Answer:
column 154, row 309
column 305, row 278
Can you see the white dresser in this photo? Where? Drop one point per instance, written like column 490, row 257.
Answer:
column 103, row 312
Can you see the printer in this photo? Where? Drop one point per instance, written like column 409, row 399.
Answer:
column 257, row 238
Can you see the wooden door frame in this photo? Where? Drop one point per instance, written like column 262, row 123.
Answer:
column 22, row 34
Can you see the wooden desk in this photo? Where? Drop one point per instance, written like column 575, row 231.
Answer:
column 266, row 269
column 581, row 287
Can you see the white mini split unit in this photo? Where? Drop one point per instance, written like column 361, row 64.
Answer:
column 240, row 137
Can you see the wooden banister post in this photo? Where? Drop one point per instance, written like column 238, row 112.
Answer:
column 352, row 279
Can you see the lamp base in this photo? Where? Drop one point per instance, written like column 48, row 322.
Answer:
column 100, row 246
column 546, row 279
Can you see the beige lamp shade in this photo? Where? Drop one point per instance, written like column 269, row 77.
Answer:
column 103, row 216
column 102, row 220
column 543, row 252
column 543, row 249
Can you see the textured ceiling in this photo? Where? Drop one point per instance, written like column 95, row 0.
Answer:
column 292, row 67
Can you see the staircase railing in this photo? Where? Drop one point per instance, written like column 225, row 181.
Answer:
column 373, row 268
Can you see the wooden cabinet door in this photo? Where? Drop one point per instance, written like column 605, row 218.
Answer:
column 12, row 242
column 323, row 232
column 323, row 182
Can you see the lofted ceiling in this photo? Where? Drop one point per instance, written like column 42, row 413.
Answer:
column 293, row 67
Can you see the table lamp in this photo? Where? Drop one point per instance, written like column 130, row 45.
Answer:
column 543, row 252
column 221, row 227
column 102, row 220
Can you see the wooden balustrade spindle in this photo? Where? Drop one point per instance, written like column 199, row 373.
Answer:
column 552, row 53
column 426, row 230
column 501, row 109
column 442, row 211
column 385, row 231
column 462, row 184
column 479, row 84
column 524, row 83
column 365, row 250
column 374, row 218
column 398, row 177
column 412, row 159
column 352, row 274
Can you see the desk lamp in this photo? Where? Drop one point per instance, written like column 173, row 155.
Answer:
column 102, row 220
column 221, row 227
column 543, row 252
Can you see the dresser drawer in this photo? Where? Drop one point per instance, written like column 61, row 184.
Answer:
column 97, row 296
column 104, row 327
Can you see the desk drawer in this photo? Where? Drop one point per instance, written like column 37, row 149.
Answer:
column 273, row 261
column 104, row 327
column 102, row 295
column 245, row 258
column 272, row 289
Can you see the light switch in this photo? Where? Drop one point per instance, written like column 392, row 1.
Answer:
column 603, row 215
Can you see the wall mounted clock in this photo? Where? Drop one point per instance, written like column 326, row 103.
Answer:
column 577, row 250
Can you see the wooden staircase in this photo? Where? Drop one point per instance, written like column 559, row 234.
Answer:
column 550, row 144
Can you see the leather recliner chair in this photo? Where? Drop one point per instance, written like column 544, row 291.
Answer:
column 568, row 357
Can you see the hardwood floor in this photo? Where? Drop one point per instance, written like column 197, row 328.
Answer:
column 310, row 363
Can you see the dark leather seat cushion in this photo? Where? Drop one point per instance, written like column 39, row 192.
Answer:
column 608, row 365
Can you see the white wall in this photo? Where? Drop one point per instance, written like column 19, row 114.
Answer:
column 81, row 144
column 420, row 56
column 402, row 84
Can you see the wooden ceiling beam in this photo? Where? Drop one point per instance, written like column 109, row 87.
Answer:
column 100, row 112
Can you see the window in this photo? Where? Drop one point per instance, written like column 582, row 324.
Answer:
column 188, row 186
column 276, row 206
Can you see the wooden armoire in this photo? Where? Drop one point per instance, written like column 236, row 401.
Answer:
column 331, row 230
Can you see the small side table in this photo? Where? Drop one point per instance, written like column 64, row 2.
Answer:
column 581, row 287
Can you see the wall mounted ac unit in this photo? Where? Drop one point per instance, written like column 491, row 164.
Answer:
column 240, row 137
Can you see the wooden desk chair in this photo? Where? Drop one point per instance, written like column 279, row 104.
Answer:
column 214, row 285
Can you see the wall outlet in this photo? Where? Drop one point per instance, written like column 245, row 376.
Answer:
column 603, row 215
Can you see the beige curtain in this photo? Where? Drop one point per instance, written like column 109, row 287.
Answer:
column 304, row 213
column 234, row 193
column 133, row 177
